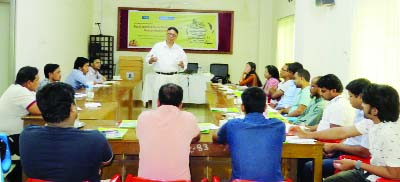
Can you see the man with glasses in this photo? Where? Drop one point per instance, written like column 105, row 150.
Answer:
column 167, row 58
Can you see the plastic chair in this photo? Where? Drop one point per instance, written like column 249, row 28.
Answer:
column 387, row 180
column 244, row 180
column 115, row 178
column 131, row 178
column 5, row 156
column 329, row 141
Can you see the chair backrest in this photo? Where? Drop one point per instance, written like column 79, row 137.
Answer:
column 221, row 70
column 131, row 178
column 192, row 68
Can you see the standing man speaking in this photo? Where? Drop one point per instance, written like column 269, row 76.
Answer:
column 167, row 59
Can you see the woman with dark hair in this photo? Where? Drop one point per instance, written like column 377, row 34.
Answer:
column 250, row 77
column 272, row 75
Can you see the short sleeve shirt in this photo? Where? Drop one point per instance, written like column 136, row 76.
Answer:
column 248, row 141
column 14, row 104
column 337, row 111
column 76, row 79
column 170, row 131
column 63, row 154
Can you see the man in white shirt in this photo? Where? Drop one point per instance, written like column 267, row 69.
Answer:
column 338, row 111
column 381, row 105
column 93, row 74
column 167, row 58
column 17, row 101
column 356, row 146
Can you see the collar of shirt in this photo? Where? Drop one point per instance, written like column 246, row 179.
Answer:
column 254, row 117
column 165, row 45
column 336, row 99
column 168, row 108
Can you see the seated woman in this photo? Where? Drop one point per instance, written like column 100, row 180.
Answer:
column 272, row 75
column 250, row 77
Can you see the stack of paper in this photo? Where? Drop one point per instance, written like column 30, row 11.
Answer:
column 113, row 133
column 296, row 139
column 206, row 127
column 230, row 109
column 128, row 124
column 92, row 104
column 79, row 95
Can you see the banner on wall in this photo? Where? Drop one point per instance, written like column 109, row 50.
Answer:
column 197, row 31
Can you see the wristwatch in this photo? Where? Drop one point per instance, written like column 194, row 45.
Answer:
column 358, row 165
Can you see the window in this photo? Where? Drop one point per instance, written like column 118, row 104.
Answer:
column 376, row 41
column 285, row 41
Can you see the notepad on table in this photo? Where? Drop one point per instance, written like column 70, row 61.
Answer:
column 128, row 124
column 230, row 109
column 206, row 127
column 113, row 133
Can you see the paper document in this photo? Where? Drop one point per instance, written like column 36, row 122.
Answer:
column 128, row 124
column 296, row 139
column 206, row 127
column 92, row 104
column 230, row 109
column 113, row 133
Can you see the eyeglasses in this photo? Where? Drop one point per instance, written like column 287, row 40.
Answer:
column 172, row 35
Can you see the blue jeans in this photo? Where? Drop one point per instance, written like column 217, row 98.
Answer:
column 308, row 170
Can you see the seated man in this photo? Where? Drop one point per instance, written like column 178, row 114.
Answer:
column 77, row 78
column 380, row 104
column 303, row 99
column 338, row 111
column 169, row 130
column 287, row 90
column 255, row 143
column 58, row 151
column 52, row 73
column 17, row 101
column 313, row 114
column 93, row 74
column 356, row 146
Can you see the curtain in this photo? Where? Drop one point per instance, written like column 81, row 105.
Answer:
column 285, row 41
column 376, row 41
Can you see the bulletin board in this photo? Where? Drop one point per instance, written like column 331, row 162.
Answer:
column 200, row 31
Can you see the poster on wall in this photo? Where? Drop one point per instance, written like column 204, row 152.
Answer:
column 197, row 31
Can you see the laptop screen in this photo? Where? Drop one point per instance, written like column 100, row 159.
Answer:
column 192, row 67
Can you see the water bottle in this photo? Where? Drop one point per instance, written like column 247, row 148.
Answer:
column 89, row 91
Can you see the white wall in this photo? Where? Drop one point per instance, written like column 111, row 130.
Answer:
column 4, row 45
column 252, row 29
column 52, row 31
column 323, row 37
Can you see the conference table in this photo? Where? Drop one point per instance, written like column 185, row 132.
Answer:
column 112, row 97
column 207, row 159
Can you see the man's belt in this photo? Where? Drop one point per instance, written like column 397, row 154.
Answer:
column 168, row 73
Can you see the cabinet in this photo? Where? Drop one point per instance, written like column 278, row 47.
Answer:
column 102, row 46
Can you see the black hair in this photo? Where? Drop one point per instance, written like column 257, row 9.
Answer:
column 79, row 62
column 273, row 71
column 330, row 81
column 254, row 100
column 293, row 67
column 26, row 74
column 54, row 101
column 384, row 98
column 173, row 28
column 253, row 71
column 50, row 68
column 304, row 73
column 357, row 86
column 94, row 58
column 170, row 94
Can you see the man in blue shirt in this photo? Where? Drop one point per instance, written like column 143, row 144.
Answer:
column 58, row 151
column 255, row 143
column 77, row 78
